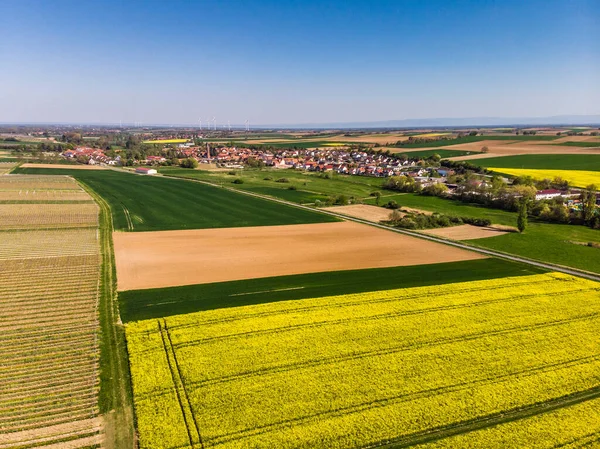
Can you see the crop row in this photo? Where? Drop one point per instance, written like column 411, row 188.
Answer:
column 44, row 195
column 38, row 182
column 27, row 216
column 5, row 167
column 49, row 285
column 48, row 243
column 359, row 370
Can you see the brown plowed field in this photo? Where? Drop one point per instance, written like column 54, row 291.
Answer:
column 513, row 149
column 170, row 258
column 362, row 211
column 63, row 166
column 465, row 232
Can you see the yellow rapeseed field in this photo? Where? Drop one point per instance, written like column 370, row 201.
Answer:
column 363, row 369
column 167, row 141
column 577, row 178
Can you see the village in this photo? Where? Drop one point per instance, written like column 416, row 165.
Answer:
column 357, row 162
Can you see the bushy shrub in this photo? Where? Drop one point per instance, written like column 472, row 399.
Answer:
column 238, row 181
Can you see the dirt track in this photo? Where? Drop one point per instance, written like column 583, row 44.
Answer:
column 170, row 258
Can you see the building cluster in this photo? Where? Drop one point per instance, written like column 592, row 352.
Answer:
column 91, row 156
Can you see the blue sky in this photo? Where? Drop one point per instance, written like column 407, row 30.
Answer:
column 277, row 62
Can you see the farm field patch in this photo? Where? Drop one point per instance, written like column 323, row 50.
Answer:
column 500, row 149
column 444, row 153
column 308, row 186
column 366, row 369
column 541, row 241
column 465, row 232
column 363, row 211
column 146, row 203
column 137, row 305
column 62, row 166
column 587, row 162
column 5, row 167
column 49, row 286
column 572, row 426
column 578, row 178
column 50, row 215
column 162, row 259
column 447, row 206
column 550, row 243
column 41, row 182
column 165, row 141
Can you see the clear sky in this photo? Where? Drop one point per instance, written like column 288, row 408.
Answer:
column 278, row 61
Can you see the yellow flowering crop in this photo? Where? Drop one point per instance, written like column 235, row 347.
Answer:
column 426, row 135
column 578, row 178
column 358, row 370
column 166, row 141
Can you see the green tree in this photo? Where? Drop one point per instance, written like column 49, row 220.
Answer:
column 190, row 162
column 588, row 203
column 522, row 218
column 377, row 196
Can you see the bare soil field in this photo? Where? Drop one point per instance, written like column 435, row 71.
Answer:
column 171, row 258
column 63, row 166
column 514, row 149
column 465, row 232
column 362, row 211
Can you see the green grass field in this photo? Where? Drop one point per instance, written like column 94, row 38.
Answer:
column 541, row 241
column 146, row 203
column 581, row 144
column 550, row 243
column 153, row 303
column 443, row 153
column 544, row 161
column 310, row 186
column 448, row 207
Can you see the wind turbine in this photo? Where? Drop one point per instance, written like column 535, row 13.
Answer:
column 247, row 125
column 229, row 125
column 215, row 123
column 200, row 121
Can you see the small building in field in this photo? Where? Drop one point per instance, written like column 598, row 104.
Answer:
column 145, row 171
column 547, row 194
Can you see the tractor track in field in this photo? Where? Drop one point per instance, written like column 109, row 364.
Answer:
column 491, row 420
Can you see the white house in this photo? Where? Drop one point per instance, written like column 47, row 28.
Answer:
column 547, row 194
column 145, row 171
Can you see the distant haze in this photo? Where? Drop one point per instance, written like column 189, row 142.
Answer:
column 310, row 63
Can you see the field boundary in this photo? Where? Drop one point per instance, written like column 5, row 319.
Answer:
column 537, row 263
column 115, row 397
